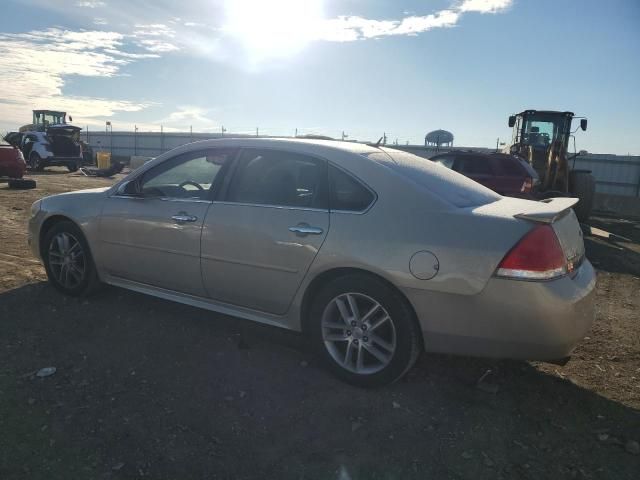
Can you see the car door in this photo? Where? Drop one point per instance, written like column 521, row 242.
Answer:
column 153, row 235
column 260, row 238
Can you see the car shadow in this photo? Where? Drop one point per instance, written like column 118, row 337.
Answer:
column 146, row 385
column 48, row 172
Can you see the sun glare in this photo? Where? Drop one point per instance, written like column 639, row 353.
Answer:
column 274, row 28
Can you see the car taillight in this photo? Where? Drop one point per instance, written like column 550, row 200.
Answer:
column 537, row 256
column 527, row 185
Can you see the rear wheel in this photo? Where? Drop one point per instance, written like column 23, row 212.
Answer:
column 35, row 162
column 364, row 331
column 73, row 166
column 583, row 186
column 67, row 260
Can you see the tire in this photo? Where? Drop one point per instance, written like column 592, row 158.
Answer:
column 35, row 162
column 54, row 263
column 331, row 336
column 22, row 184
column 583, row 186
column 73, row 167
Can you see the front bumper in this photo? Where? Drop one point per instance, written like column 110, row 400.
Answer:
column 33, row 236
column 510, row 318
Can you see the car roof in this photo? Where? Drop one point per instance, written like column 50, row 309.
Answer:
column 471, row 153
column 319, row 144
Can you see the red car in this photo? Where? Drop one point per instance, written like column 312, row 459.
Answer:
column 12, row 168
column 505, row 174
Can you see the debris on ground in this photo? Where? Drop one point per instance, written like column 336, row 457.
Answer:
column 632, row 447
column 485, row 386
column 46, row 372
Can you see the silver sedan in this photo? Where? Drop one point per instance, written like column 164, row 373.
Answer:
column 374, row 254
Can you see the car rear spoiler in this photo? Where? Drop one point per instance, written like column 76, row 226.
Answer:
column 549, row 210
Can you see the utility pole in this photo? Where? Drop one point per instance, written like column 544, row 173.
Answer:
column 257, row 132
column 344, row 136
column 108, row 127
column 296, row 132
column 384, row 138
column 222, row 130
column 135, row 139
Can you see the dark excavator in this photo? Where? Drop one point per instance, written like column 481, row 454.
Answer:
column 542, row 138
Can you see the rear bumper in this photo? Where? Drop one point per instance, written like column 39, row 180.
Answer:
column 509, row 318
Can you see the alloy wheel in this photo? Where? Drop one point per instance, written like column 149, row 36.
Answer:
column 67, row 260
column 358, row 333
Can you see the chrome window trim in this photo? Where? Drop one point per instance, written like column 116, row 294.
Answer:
column 266, row 205
column 164, row 199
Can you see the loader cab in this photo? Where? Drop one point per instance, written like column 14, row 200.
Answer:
column 42, row 119
column 539, row 129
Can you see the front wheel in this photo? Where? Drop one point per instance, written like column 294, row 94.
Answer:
column 67, row 260
column 73, row 166
column 364, row 331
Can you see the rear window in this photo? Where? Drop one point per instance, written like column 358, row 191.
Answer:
column 510, row 166
column 450, row 186
column 473, row 165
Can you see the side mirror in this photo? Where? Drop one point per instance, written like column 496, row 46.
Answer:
column 131, row 188
column 512, row 121
column 583, row 124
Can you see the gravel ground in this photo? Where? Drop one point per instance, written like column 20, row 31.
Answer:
column 145, row 388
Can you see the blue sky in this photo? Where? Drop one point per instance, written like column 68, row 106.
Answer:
column 326, row 66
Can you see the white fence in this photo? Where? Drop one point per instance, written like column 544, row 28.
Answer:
column 615, row 174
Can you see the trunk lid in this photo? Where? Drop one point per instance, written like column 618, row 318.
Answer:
column 556, row 212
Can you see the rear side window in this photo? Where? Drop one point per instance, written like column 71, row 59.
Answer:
column 347, row 193
column 272, row 177
column 469, row 165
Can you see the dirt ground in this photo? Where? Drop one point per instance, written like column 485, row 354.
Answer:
column 145, row 388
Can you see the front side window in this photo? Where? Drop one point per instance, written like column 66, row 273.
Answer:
column 272, row 177
column 346, row 193
column 191, row 175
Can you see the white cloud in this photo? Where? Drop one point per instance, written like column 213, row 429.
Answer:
column 346, row 29
column 188, row 115
column 351, row 28
column 484, row 6
column 155, row 37
column 33, row 67
column 90, row 4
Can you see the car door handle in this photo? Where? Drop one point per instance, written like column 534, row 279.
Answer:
column 182, row 217
column 304, row 229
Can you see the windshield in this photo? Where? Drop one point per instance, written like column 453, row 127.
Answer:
column 48, row 118
column 541, row 130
